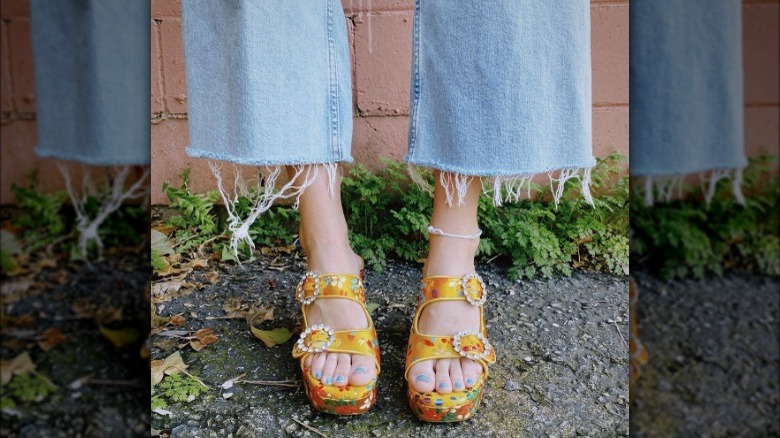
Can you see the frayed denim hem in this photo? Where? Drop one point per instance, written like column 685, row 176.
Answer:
column 287, row 161
column 267, row 192
column 90, row 159
column 455, row 182
column 109, row 200
column 665, row 188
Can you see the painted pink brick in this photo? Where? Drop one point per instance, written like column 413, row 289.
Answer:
column 376, row 137
column 14, row 8
column 6, row 91
column 383, row 64
column 166, row 8
column 156, row 74
column 173, row 66
column 761, row 44
column 762, row 130
column 610, row 131
column 21, row 65
column 365, row 6
column 609, row 52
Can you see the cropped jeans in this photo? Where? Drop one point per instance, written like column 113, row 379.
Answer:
column 500, row 90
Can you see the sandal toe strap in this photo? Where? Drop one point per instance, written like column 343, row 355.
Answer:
column 319, row 338
column 470, row 344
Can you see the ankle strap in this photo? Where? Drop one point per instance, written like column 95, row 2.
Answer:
column 469, row 287
column 315, row 286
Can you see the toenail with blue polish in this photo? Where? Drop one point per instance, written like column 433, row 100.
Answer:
column 458, row 385
column 328, row 380
column 359, row 370
column 423, row 378
column 339, row 379
column 470, row 381
column 318, row 374
column 443, row 385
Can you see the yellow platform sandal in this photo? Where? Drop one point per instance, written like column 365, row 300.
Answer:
column 347, row 400
column 471, row 344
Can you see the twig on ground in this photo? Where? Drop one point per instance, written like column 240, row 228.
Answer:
column 315, row 430
column 282, row 383
column 618, row 330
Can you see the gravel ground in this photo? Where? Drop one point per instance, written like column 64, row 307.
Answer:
column 713, row 358
column 112, row 399
column 562, row 358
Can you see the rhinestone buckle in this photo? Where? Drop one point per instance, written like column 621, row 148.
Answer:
column 474, row 301
column 300, row 294
column 471, row 344
column 316, row 338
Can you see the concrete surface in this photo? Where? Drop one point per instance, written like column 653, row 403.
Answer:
column 562, row 358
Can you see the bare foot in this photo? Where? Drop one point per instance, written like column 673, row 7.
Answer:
column 339, row 369
column 447, row 257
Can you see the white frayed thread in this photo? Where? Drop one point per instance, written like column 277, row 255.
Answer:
column 266, row 195
column 109, row 201
column 668, row 188
column 513, row 186
column 417, row 178
column 455, row 184
column 557, row 185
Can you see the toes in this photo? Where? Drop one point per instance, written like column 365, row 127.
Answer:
column 341, row 373
column 456, row 376
column 422, row 377
column 330, row 366
column 363, row 370
column 471, row 371
column 317, row 362
column 443, row 383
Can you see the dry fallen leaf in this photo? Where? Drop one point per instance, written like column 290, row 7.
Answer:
column 272, row 337
column 259, row 314
column 51, row 338
column 21, row 364
column 202, row 338
column 120, row 337
column 212, row 277
column 199, row 263
column 172, row 364
column 177, row 320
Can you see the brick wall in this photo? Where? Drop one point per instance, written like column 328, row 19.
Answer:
column 381, row 81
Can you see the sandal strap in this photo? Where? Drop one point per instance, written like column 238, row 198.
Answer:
column 314, row 286
column 439, row 288
column 319, row 337
column 470, row 344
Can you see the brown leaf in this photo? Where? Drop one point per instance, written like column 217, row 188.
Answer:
column 83, row 308
column 51, row 338
column 177, row 320
column 21, row 364
column 235, row 308
column 212, row 277
column 259, row 314
column 202, row 338
column 172, row 364
column 199, row 263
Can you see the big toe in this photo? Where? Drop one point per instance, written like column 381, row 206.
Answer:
column 363, row 370
column 421, row 376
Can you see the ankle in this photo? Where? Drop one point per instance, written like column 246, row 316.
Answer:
column 330, row 256
column 449, row 256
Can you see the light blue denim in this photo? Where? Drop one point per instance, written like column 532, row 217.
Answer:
column 686, row 86
column 268, row 81
column 92, row 84
column 501, row 87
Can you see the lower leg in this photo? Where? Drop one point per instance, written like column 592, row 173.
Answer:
column 324, row 239
column 452, row 257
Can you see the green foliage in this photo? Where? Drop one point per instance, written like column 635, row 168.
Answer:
column 158, row 261
column 689, row 239
column 176, row 388
column 388, row 216
column 41, row 215
column 196, row 222
column 28, row 388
